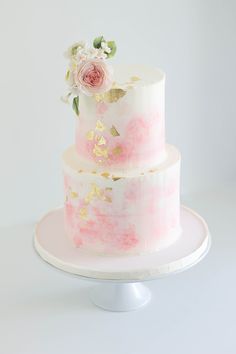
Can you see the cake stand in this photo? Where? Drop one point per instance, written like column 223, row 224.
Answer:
column 120, row 278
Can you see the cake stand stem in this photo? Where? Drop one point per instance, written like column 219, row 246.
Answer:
column 120, row 296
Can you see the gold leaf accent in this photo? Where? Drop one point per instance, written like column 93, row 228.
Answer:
column 74, row 194
column 114, row 131
column 117, row 150
column 105, row 174
column 80, row 171
column 94, row 172
column 113, row 95
column 135, row 78
column 90, row 135
column 100, row 152
column 108, row 189
column 98, row 97
column 83, row 213
column 101, row 140
column 114, row 178
column 100, row 126
column 95, row 191
column 108, row 199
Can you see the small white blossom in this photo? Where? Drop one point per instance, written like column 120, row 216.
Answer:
column 105, row 47
column 81, row 54
column 87, row 53
column 101, row 54
column 92, row 53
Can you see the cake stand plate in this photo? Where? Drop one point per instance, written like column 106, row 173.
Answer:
column 120, row 277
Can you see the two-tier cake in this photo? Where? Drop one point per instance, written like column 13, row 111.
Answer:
column 121, row 179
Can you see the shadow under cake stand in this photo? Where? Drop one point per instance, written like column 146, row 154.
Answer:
column 120, row 277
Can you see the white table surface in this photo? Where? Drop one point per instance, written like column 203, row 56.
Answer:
column 43, row 310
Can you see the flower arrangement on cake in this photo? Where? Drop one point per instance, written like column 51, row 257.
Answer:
column 89, row 72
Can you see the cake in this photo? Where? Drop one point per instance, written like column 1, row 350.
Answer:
column 121, row 179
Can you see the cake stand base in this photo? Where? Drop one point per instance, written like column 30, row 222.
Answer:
column 120, row 296
column 121, row 277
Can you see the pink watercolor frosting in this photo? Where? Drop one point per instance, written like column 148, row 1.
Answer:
column 140, row 141
column 131, row 215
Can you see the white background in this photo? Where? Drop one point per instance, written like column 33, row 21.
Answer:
column 195, row 43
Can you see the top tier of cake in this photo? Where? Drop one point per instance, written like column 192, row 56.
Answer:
column 125, row 127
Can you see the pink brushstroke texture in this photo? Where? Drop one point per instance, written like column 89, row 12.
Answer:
column 142, row 139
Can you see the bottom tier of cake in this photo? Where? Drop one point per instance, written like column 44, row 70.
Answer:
column 123, row 213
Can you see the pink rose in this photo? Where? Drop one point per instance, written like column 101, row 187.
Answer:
column 93, row 76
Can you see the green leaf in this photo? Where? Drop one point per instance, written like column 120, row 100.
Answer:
column 112, row 46
column 75, row 105
column 97, row 42
column 67, row 74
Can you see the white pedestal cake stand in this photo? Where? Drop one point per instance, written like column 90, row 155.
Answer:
column 121, row 277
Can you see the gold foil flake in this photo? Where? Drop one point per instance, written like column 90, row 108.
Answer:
column 135, row 78
column 113, row 95
column 98, row 97
column 107, row 195
column 130, row 87
column 90, row 135
column 89, row 198
column 114, row 131
column 95, row 192
column 101, row 140
column 117, row 150
column 105, row 174
column 80, row 171
column 73, row 194
column 94, row 172
column 107, row 198
column 114, row 178
column 100, row 152
column 100, row 126
column 83, row 213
